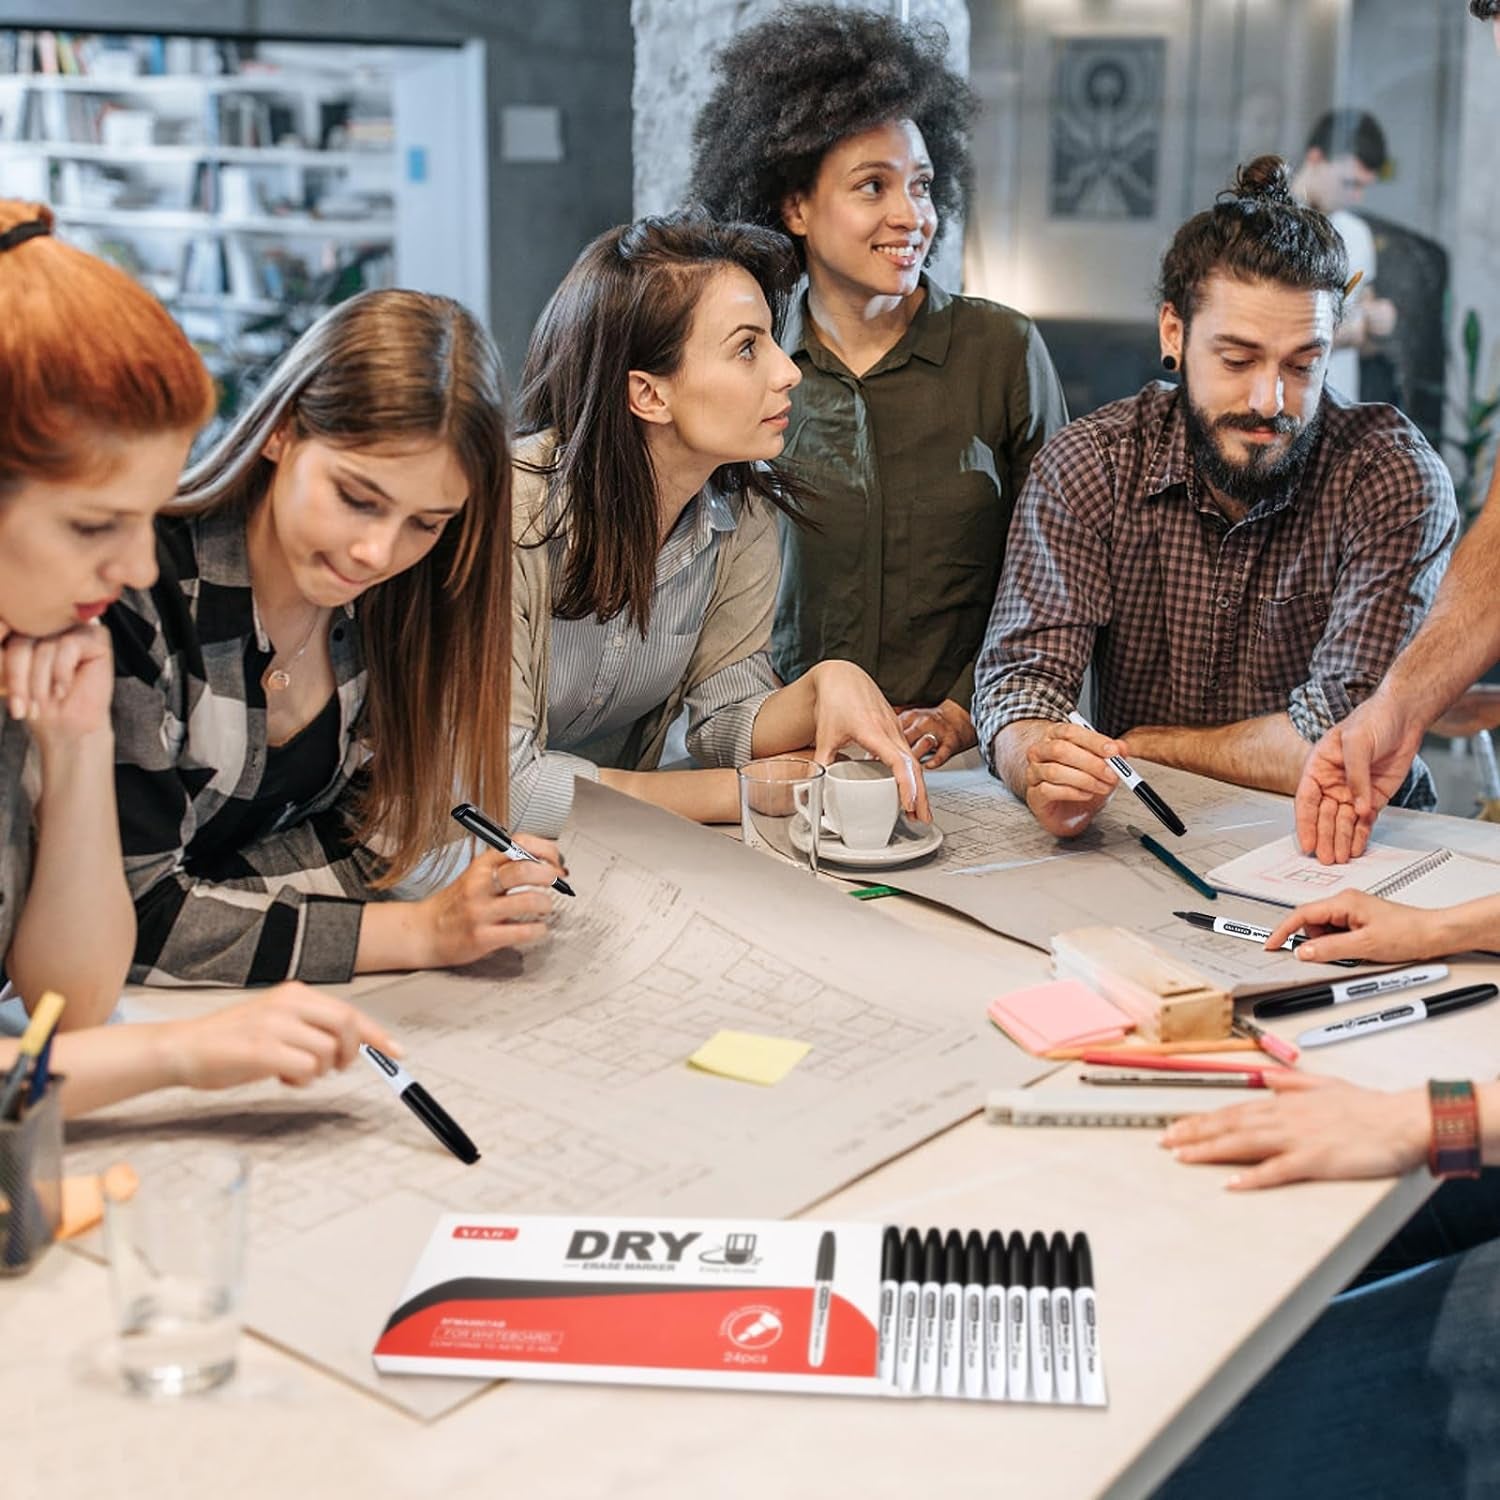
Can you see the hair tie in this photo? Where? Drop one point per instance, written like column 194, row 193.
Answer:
column 23, row 232
column 1353, row 282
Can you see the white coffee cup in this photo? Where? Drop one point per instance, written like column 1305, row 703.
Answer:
column 860, row 803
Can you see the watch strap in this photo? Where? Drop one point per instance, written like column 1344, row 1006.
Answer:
column 1455, row 1129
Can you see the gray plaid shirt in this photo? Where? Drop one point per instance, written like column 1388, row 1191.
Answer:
column 1118, row 555
column 17, row 835
column 191, row 752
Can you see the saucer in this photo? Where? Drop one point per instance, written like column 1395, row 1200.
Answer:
column 911, row 841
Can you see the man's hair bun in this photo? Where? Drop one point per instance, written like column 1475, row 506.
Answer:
column 1267, row 178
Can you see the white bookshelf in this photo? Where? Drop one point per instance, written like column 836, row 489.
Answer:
column 248, row 200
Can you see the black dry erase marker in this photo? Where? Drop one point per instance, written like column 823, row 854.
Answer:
column 817, row 1339
column 994, row 1315
column 1064, row 1357
column 1017, row 1318
column 930, row 1338
column 951, row 1317
column 890, row 1301
column 1039, row 1268
column 908, row 1319
column 973, row 1315
column 1086, row 1325
column 422, row 1105
column 468, row 816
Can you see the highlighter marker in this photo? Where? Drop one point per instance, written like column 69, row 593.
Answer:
column 929, row 1316
column 951, row 1317
column 890, row 1300
column 1039, row 1317
column 1017, row 1329
column 817, row 1339
column 1086, row 1325
column 1064, row 1350
column 994, row 1316
column 908, row 1318
column 972, row 1380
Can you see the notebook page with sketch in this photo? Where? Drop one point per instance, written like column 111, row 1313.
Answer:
column 1281, row 873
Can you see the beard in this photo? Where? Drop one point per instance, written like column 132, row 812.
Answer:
column 1262, row 474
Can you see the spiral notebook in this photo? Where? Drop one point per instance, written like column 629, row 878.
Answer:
column 1280, row 872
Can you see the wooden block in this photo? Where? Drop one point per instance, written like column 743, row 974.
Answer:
column 1168, row 1000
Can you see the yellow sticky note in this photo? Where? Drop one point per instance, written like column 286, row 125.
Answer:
column 749, row 1058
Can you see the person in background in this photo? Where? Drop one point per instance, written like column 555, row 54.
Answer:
column 311, row 683
column 919, row 411
column 1346, row 152
column 653, row 405
column 1360, row 764
column 93, row 434
column 1240, row 557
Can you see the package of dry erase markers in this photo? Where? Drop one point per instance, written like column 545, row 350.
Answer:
column 775, row 1305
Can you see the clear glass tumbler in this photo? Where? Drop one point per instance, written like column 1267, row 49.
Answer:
column 781, row 807
column 177, row 1259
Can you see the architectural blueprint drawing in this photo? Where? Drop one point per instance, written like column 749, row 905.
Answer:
column 567, row 1066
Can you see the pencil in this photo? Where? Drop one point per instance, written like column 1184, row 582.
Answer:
column 1174, row 864
column 1155, row 1049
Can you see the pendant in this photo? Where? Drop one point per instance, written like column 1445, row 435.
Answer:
column 278, row 681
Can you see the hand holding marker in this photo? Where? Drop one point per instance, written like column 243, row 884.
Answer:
column 1132, row 778
column 468, row 816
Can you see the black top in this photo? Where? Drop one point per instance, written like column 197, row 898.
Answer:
column 297, row 770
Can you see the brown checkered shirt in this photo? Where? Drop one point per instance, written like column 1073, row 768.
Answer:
column 1118, row 556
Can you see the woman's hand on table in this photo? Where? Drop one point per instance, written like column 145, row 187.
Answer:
column 1309, row 1128
column 936, row 735
column 291, row 1032
column 1355, row 924
column 496, row 903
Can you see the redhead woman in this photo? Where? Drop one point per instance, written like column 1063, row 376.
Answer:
column 93, row 435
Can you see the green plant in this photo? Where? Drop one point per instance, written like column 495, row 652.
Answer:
column 1475, row 416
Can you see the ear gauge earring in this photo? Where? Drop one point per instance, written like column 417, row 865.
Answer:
column 1169, row 361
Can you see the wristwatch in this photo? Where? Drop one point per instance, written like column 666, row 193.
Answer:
column 1455, row 1129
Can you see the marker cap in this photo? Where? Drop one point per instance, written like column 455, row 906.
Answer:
column 911, row 1256
column 824, row 1270
column 890, row 1254
column 932, row 1255
column 1015, row 1260
column 1041, row 1266
column 994, row 1258
column 1083, row 1261
column 973, row 1259
column 953, row 1257
column 1062, row 1262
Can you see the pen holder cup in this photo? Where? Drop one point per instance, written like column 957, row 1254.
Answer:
column 30, row 1181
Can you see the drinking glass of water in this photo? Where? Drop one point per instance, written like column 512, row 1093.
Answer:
column 175, row 1228
column 781, row 808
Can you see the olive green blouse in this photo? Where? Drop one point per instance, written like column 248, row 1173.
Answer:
column 914, row 467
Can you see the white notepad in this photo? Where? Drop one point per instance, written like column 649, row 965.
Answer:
column 1433, row 878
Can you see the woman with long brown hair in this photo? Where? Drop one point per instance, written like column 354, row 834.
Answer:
column 654, row 402
column 300, row 696
column 93, row 434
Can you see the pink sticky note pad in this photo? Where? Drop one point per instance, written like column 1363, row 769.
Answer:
column 1064, row 1013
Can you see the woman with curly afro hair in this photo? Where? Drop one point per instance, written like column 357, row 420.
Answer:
column 919, row 412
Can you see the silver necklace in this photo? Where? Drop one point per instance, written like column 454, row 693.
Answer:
column 279, row 679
